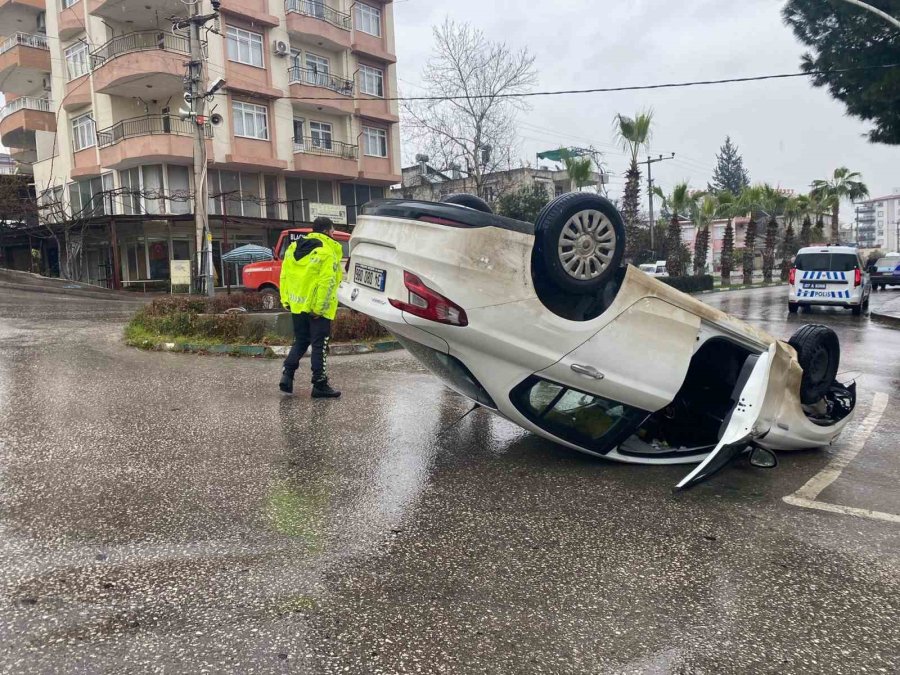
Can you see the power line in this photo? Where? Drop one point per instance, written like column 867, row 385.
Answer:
column 598, row 90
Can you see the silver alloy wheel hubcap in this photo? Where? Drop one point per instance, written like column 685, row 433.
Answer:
column 586, row 244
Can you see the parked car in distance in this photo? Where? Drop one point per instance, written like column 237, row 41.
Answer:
column 541, row 324
column 264, row 276
column 885, row 272
column 829, row 275
column 657, row 269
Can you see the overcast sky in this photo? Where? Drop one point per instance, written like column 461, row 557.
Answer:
column 788, row 132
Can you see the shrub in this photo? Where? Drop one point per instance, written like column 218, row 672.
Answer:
column 352, row 326
column 690, row 284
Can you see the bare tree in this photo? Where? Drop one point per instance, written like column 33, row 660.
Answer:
column 475, row 87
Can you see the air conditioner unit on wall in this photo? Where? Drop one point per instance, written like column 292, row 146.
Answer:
column 46, row 83
column 281, row 48
column 42, row 22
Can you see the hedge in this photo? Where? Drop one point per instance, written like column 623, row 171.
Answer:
column 690, row 284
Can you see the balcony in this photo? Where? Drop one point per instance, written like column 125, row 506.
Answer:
column 22, row 117
column 321, row 91
column 70, row 21
column 372, row 46
column 148, row 139
column 24, row 63
column 318, row 23
column 146, row 64
column 139, row 15
column 325, row 158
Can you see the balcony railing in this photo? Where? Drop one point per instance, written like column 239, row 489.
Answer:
column 25, row 40
column 148, row 125
column 8, row 169
column 315, row 78
column 26, row 103
column 318, row 10
column 136, row 42
column 325, row 146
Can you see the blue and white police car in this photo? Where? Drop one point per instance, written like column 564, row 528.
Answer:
column 829, row 275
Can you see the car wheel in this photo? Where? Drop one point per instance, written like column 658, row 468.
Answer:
column 473, row 202
column 793, row 307
column 819, row 354
column 270, row 299
column 579, row 242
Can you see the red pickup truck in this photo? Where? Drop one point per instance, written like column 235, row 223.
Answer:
column 264, row 276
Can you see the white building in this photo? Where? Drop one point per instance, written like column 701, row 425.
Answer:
column 879, row 222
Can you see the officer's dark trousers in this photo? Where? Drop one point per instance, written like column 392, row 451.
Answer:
column 309, row 330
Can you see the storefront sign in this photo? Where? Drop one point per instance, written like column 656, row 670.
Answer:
column 336, row 212
column 180, row 271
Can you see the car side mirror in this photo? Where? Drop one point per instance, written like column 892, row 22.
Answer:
column 763, row 458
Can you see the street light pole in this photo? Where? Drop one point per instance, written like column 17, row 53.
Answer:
column 649, row 162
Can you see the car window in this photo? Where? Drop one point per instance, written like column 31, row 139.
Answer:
column 834, row 262
column 585, row 419
column 648, row 268
column 660, row 269
column 887, row 264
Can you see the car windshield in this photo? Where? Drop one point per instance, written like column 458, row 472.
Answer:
column 832, row 262
column 887, row 264
column 648, row 268
column 591, row 421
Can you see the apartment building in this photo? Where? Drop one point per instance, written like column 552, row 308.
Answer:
column 878, row 222
column 94, row 89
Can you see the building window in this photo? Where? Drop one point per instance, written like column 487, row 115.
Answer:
column 368, row 19
column 238, row 193
column 374, row 142
column 84, row 134
column 371, row 81
column 77, row 60
column 86, row 196
column 245, row 47
column 320, row 134
column 318, row 68
column 250, row 121
column 354, row 196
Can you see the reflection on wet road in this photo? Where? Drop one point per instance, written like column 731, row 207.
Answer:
column 173, row 512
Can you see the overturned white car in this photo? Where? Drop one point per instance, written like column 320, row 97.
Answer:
column 541, row 324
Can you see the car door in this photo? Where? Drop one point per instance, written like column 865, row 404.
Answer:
column 750, row 395
column 640, row 358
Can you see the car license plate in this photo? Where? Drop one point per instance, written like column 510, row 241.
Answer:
column 369, row 276
column 813, row 286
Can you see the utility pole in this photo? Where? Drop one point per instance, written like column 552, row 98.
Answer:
column 649, row 162
column 857, row 227
column 195, row 95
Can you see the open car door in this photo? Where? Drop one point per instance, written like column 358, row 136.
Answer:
column 747, row 397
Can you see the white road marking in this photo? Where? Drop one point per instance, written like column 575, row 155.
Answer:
column 806, row 496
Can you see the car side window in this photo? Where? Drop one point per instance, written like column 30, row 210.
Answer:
column 579, row 417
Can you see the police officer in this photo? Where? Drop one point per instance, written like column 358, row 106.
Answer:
column 310, row 275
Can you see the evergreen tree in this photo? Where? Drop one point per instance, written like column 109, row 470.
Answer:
column 701, row 250
column 818, row 233
column 769, row 248
column 788, row 249
column 806, row 231
column 727, row 253
column 749, row 250
column 730, row 174
column 523, row 204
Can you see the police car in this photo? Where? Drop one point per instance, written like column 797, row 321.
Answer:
column 829, row 275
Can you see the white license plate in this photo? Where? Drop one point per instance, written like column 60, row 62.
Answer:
column 369, row 276
column 814, row 286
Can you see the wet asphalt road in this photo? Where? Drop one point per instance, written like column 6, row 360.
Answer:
column 166, row 512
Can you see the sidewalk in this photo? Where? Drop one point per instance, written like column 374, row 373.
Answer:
column 888, row 311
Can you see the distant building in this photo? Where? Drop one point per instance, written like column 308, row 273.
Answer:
column 879, row 222
column 423, row 181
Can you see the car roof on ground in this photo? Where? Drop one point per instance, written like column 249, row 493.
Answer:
column 828, row 249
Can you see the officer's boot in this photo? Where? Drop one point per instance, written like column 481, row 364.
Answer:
column 287, row 381
column 322, row 389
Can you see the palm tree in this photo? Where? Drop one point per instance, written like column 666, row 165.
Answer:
column 579, row 169
column 633, row 134
column 844, row 184
column 702, row 213
column 725, row 208
column 793, row 208
column 748, row 201
column 772, row 203
column 677, row 204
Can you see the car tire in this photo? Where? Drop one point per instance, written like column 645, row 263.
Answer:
column 819, row 354
column 471, row 201
column 579, row 242
column 793, row 307
column 270, row 298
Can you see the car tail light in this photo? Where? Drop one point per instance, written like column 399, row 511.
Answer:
column 792, row 275
column 429, row 304
column 857, row 277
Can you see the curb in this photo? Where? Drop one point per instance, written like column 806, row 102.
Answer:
column 261, row 351
column 891, row 320
column 743, row 288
